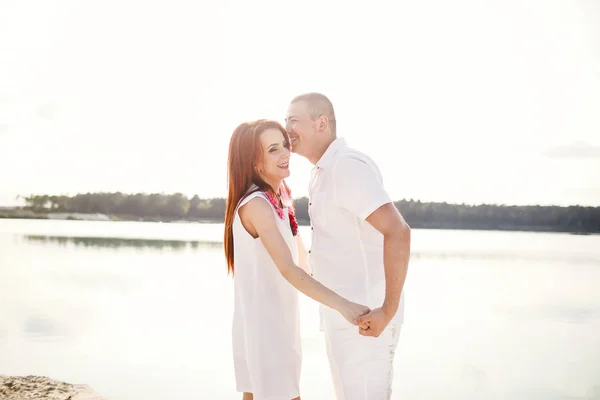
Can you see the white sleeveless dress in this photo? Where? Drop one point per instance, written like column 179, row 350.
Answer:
column 266, row 321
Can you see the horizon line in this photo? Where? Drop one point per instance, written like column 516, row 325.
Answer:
column 19, row 197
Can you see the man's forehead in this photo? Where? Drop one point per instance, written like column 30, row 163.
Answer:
column 297, row 109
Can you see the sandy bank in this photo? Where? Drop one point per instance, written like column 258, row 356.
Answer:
column 40, row 387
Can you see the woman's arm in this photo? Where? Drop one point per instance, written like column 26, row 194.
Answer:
column 257, row 216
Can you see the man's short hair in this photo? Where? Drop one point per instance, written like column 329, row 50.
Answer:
column 318, row 104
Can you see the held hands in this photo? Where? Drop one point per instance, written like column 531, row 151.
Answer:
column 352, row 311
column 369, row 322
column 373, row 323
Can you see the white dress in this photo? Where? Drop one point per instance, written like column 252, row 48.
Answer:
column 266, row 321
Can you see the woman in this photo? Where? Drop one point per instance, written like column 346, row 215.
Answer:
column 262, row 246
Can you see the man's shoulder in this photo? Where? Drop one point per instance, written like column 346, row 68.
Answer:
column 350, row 156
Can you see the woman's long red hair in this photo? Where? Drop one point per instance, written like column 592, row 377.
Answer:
column 245, row 151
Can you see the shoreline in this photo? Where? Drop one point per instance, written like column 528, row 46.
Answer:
column 18, row 215
column 41, row 387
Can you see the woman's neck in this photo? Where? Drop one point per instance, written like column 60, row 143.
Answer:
column 275, row 185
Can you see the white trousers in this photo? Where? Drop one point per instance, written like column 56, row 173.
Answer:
column 362, row 367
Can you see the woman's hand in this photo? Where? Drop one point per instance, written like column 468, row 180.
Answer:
column 352, row 311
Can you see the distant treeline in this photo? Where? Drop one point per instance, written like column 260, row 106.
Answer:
column 172, row 207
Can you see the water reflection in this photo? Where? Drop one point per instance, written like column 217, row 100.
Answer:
column 95, row 309
column 504, row 256
column 567, row 314
column 42, row 327
column 114, row 243
column 517, row 254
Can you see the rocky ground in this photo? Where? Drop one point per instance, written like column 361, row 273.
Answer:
column 40, row 387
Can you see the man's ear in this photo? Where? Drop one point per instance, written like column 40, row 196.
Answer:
column 323, row 122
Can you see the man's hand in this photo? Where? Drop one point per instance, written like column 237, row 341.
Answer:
column 373, row 323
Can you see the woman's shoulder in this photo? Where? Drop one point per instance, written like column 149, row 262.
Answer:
column 255, row 192
column 254, row 202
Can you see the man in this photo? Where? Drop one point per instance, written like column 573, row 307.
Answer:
column 360, row 249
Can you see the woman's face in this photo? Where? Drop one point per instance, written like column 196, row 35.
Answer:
column 274, row 165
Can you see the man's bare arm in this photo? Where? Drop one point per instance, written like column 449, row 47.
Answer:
column 396, row 252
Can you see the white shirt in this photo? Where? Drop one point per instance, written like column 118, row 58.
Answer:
column 347, row 252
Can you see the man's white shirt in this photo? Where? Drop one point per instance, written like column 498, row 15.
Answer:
column 346, row 252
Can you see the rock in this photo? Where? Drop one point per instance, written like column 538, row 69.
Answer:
column 41, row 387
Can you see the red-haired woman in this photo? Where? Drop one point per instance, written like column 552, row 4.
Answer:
column 263, row 247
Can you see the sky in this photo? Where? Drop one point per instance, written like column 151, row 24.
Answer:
column 464, row 102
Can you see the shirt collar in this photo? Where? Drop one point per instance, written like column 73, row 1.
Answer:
column 329, row 155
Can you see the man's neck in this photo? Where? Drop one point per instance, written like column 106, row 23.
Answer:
column 320, row 150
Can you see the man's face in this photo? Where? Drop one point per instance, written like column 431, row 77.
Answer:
column 301, row 129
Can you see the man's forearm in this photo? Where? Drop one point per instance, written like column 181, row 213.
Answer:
column 396, row 254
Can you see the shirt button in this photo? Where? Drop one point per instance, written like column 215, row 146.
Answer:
column 309, row 251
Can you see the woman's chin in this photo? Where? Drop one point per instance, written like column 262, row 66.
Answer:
column 285, row 173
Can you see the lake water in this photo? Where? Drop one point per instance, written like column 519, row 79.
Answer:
column 143, row 311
